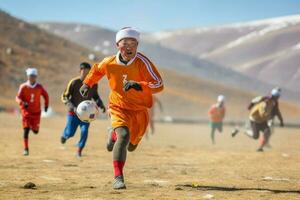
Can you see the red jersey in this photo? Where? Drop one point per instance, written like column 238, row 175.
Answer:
column 216, row 113
column 31, row 94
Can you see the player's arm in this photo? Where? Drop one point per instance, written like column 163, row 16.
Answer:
column 19, row 98
column 153, row 79
column 98, row 100
column 278, row 114
column 94, row 75
column 67, row 95
column 46, row 98
column 211, row 111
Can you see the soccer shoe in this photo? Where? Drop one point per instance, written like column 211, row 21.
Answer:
column 234, row 132
column 260, row 149
column 78, row 155
column 268, row 145
column 63, row 140
column 110, row 143
column 119, row 183
column 249, row 133
column 26, row 152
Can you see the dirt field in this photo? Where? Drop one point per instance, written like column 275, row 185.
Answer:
column 178, row 162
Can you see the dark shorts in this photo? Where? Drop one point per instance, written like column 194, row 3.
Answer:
column 257, row 127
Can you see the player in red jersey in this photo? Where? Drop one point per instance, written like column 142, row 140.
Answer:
column 29, row 100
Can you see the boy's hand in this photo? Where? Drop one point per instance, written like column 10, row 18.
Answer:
column 132, row 84
column 84, row 90
column 25, row 104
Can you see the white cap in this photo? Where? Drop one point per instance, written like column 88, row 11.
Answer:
column 31, row 71
column 221, row 98
column 276, row 92
column 127, row 32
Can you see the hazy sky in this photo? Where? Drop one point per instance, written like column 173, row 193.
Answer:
column 150, row 15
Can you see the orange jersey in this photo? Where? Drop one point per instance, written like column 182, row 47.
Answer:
column 139, row 69
column 216, row 113
column 31, row 94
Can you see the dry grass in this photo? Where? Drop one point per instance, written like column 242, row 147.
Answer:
column 178, row 162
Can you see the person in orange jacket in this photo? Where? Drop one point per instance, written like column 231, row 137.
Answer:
column 29, row 100
column 217, row 114
column 133, row 78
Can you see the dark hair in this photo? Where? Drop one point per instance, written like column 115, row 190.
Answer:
column 85, row 65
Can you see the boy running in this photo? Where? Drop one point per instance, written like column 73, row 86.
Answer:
column 72, row 98
column 133, row 78
column 262, row 109
column 29, row 100
column 217, row 114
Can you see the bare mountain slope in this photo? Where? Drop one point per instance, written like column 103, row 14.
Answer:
column 263, row 49
column 102, row 40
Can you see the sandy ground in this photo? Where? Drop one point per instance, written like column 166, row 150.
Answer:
column 178, row 162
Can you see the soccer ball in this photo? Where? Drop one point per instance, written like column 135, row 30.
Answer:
column 87, row 111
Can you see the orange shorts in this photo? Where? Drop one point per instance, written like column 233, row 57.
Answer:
column 136, row 121
column 31, row 121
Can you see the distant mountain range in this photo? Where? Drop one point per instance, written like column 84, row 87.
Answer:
column 201, row 52
column 57, row 60
column 267, row 49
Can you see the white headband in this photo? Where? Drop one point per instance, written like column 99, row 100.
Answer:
column 221, row 98
column 31, row 71
column 127, row 33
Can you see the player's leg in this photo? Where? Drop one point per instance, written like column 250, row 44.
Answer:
column 25, row 139
column 26, row 130
column 220, row 127
column 266, row 136
column 138, row 126
column 71, row 127
column 212, row 132
column 119, row 156
column 112, row 138
column 235, row 131
column 35, row 123
column 131, row 147
column 271, row 126
column 84, row 127
column 255, row 130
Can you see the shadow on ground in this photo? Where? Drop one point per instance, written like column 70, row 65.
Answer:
column 233, row 189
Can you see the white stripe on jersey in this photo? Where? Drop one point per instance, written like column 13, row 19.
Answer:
column 150, row 70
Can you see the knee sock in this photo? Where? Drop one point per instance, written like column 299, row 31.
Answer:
column 25, row 136
column 120, row 151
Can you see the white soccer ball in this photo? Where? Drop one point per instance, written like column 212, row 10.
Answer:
column 87, row 111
